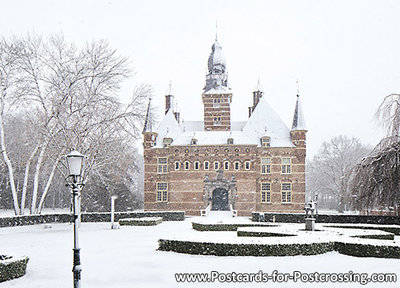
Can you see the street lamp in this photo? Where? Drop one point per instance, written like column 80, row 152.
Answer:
column 74, row 163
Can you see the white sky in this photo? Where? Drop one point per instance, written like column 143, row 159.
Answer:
column 345, row 54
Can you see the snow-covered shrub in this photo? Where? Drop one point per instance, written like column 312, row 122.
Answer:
column 146, row 221
column 244, row 249
column 226, row 227
column 242, row 233
column 367, row 250
column 324, row 218
column 87, row 217
column 11, row 268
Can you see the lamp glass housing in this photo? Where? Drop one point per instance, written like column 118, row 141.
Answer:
column 74, row 163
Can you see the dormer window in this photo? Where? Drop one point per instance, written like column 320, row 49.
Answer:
column 265, row 141
column 216, row 103
column 166, row 142
column 194, row 141
column 217, row 121
column 230, row 141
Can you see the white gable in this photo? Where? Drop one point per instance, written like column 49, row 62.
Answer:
column 266, row 122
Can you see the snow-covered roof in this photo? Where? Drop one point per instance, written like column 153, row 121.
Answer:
column 168, row 128
column 263, row 122
column 298, row 118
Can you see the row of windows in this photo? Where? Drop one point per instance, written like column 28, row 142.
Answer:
column 162, row 165
column 286, row 192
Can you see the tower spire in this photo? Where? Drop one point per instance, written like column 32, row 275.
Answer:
column 298, row 117
column 148, row 122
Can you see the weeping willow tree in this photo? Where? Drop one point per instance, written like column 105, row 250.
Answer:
column 376, row 182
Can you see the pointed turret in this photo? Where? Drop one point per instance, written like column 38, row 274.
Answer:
column 298, row 117
column 149, row 135
column 299, row 130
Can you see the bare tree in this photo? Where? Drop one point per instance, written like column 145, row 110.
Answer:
column 71, row 95
column 376, row 181
column 330, row 171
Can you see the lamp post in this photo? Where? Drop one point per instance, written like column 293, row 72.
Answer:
column 74, row 163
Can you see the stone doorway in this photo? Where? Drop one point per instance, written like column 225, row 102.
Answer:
column 220, row 192
column 220, row 201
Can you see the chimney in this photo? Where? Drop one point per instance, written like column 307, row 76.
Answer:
column 257, row 95
column 169, row 99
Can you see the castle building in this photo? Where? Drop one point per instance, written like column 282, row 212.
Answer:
column 255, row 165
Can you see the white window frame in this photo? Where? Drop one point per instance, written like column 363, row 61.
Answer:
column 162, row 168
column 206, row 165
column 286, row 168
column 216, row 103
column 247, row 165
column 187, row 165
column 197, row 163
column 266, row 192
column 161, row 193
column 286, row 192
column 226, row 165
column 217, row 121
column 216, row 165
column 266, row 165
column 236, row 164
column 177, row 165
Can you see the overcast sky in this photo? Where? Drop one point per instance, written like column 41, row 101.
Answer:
column 345, row 54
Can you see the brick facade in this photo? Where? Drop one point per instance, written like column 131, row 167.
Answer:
column 183, row 175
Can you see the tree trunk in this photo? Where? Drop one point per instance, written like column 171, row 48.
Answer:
column 17, row 210
column 36, row 179
column 26, row 177
column 47, row 187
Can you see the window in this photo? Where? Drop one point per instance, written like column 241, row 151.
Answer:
column 196, row 165
column 265, row 141
column 167, row 142
column 187, row 165
column 247, row 165
column 266, row 192
column 286, row 192
column 217, row 121
column 230, row 141
column 265, row 165
column 216, row 103
column 177, row 165
column 216, row 165
column 162, row 165
column 206, row 165
column 226, row 165
column 162, row 192
column 236, row 165
column 286, row 166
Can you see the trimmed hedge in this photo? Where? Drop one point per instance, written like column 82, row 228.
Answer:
column 394, row 230
column 226, row 249
column 324, row 218
column 146, row 221
column 261, row 234
column 225, row 227
column 376, row 236
column 87, row 217
column 252, row 249
column 11, row 268
column 367, row 250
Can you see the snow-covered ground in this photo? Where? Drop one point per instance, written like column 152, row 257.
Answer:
column 128, row 258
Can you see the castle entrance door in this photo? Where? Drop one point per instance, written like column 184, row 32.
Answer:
column 220, row 200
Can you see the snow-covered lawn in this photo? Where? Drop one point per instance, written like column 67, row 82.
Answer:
column 128, row 258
